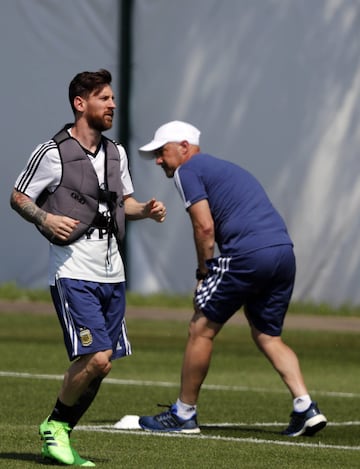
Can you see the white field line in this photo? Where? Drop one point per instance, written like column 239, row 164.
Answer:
column 319, row 445
column 111, row 429
column 273, row 424
column 165, row 384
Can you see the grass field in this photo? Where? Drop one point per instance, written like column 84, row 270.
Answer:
column 242, row 409
column 11, row 291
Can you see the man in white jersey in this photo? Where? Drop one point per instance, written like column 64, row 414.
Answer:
column 76, row 188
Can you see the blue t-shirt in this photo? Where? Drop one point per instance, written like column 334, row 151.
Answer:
column 245, row 220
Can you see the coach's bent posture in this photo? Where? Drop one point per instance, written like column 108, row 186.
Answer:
column 76, row 188
column 255, row 269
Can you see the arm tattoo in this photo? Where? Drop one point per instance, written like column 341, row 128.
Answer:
column 27, row 208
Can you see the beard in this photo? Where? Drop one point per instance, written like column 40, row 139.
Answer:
column 100, row 123
column 169, row 172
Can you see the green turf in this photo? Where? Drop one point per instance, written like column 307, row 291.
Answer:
column 241, row 390
column 10, row 291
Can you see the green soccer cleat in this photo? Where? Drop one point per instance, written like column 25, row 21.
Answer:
column 78, row 460
column 56, row 439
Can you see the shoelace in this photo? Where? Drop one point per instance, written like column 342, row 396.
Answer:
column 168, row 406
column 165, row 416
column 62, row 432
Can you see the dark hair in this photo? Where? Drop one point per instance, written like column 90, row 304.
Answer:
column 85, row 83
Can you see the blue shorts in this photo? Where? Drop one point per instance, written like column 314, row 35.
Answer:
column 261, row 281
column 92, row 316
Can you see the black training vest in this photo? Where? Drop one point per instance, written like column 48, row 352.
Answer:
column 78, row 193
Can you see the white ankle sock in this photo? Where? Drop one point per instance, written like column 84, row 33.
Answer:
column 185, row 411
column 302, row 403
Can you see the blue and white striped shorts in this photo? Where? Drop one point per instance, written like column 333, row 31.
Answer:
column 92, row 316
column 261, row 281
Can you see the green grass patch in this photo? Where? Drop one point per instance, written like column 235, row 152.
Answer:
column 249, row 397
column 10, row 291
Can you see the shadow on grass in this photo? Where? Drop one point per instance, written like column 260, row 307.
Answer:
column 36, row 458
column 22, row 457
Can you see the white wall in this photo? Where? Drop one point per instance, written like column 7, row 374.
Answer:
column 275, row 86
column 43, row 44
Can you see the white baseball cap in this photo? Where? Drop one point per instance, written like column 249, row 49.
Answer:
column 174, row 131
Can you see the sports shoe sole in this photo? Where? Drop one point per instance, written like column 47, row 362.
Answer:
column 186, row 431
column 317, row 423
column 312, row 426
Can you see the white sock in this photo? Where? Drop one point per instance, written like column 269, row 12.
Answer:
column 302, row 403
column 185, row 411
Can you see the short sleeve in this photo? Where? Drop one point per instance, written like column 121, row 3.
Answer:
column 125, row 173
column 43, row 171
column 190, row 186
